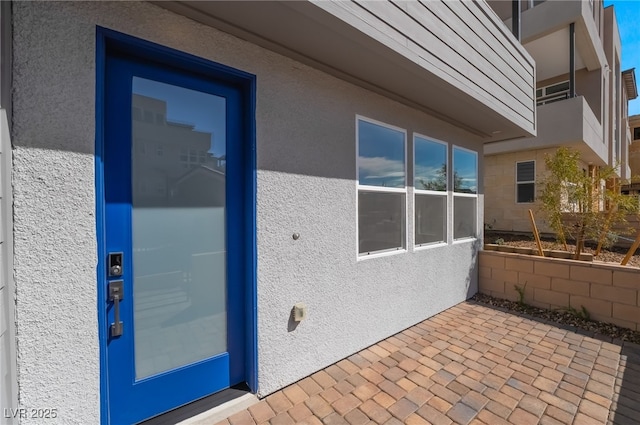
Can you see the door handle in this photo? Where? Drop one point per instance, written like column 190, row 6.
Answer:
column 116, row 294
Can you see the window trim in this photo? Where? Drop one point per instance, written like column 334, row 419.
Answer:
column 365, row 188
column 526, row 182
column 545, row 98
column 464, row 195
column 445, row 193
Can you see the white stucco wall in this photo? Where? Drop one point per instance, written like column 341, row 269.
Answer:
column 306, row 184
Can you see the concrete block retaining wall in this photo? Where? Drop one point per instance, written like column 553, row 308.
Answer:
column 610, row 293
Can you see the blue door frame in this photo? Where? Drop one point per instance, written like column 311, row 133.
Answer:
column 147, row 55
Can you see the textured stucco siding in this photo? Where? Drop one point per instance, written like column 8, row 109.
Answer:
column 54, row 210
column 306, row 184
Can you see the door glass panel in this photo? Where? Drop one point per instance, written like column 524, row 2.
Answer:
column 178, row 226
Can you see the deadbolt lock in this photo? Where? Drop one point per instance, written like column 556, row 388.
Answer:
column 115, row 264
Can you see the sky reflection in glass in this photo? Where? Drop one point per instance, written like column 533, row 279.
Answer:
column 465, row 171
column 430, row 165
column 381, row 155
column 204, row 112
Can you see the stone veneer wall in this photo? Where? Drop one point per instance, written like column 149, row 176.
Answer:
column 610, row 293
column 502, row 212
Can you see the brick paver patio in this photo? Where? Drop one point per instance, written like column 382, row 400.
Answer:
column 468, row 365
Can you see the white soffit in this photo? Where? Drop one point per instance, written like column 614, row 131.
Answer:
column 551, row 54
column 332, row 45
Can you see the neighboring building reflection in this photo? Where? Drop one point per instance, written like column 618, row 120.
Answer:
column 172, row 160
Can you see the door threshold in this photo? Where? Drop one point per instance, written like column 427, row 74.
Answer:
column 208, row 410
column 219, row 413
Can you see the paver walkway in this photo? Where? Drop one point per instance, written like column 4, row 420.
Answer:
column 468, row 365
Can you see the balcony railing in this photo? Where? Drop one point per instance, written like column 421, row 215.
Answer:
column 553, row 97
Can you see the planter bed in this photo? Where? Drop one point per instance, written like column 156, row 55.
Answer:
column 550, row 253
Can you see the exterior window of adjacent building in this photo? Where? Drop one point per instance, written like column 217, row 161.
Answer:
column 430, row 191
column 569, row 198
column 465, row 193
column 636, row 133
column 552, row 93
column 382, row 187
column 525, row 182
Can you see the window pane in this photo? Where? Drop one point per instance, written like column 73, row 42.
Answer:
column 526, row 192
column 465, row 171
column 380, row 221
column 380, row 155
column 464, row 217
column 431, row 213
column 557, row 88
column 430, row 165
column 526, row 171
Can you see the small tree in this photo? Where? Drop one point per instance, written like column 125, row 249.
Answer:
column 572, row 200
column 439, row 182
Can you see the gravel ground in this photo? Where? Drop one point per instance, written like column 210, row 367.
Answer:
column 571, row 320
column 614, row 255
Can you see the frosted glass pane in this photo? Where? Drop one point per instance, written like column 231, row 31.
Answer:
column 431, row 213
column 464, row 217
column 178, row 226
column 381, row 218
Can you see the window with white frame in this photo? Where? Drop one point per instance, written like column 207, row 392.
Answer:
column 552, row 93
column 382, row 191
column 430, row 191
column 525, row 182
column 465, row 193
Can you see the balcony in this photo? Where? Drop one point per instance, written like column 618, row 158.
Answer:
column 545, row 34
column 568, row 122
column 453, row 60
column 552, row 93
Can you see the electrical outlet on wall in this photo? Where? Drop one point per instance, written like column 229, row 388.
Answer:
column 299, row 312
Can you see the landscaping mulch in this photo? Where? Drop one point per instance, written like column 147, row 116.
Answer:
column 610, row 255
column 571, row 320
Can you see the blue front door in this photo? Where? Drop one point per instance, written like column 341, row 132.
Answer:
column 175, row 232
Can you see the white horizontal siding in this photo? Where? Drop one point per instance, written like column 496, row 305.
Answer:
column 5, row 376
column 459, row 29
column 8, row 383
column 460, row 40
